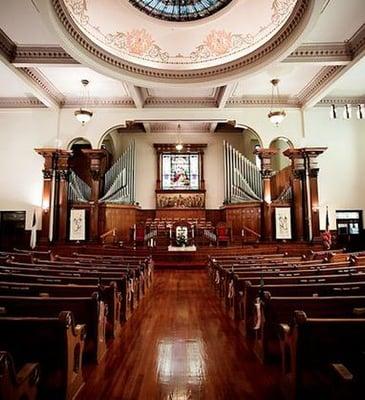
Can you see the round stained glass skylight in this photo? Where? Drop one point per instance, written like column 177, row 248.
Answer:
column 179, row 10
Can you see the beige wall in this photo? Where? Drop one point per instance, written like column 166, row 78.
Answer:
column 341, row 178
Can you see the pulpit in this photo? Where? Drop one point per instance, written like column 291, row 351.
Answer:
column 182, row 234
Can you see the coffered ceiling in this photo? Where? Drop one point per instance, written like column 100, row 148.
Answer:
column 39, row 67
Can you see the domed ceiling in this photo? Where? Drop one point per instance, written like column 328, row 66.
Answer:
column 175, row 40
column 179, row 10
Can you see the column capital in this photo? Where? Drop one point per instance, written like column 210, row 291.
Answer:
column 265, row 156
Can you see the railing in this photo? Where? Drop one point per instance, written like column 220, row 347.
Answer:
column 111, row 233
column 251, row 232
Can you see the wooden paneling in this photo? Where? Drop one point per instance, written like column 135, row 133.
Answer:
column 215, row 216
column 280, row 181
column 121, row 217
column 143, row 215
column 180, row 213
column 246, row 214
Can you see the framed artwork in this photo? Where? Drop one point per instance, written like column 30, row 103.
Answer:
column 77, row 224
column 283, row 223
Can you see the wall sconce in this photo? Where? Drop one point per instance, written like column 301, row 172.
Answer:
column 333, row 113
column 347, row 111
column 360, row 111
column 45, row 206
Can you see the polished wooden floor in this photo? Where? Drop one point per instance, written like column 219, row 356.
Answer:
column 180, row 345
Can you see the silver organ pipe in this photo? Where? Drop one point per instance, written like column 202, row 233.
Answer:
column 242, row 178
column 79, row 191
column 120, row 179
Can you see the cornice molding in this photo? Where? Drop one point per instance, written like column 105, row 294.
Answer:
column 7, row 46
column 20, row 102
column 324, row 78
column 341, row 100
column 357, row 42
column 295, row 25
column 181, row 102
column 38, row 78
column 30, row 55
column 263, row 101
column 324, row 53
column 100, row 102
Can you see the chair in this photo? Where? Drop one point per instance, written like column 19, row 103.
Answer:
column 223, row 234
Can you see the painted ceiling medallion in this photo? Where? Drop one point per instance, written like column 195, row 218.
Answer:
column 126, row 42
column 179, row 10
column 129, row 35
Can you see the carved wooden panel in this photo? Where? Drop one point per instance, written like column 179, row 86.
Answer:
column 248, row 215
column 121, row 217
column 180, row 213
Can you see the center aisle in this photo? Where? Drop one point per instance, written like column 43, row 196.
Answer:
column 180, row 345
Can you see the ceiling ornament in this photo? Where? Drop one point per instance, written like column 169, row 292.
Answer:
column 179, row 10
column 128, row 44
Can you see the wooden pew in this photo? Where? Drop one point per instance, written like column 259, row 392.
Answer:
column 45, row 276
column 55, row 343
column 17, row 384
column 108, row 294
column 89, row 311
column 271, row 311
column 252, row 292
column 312, row 347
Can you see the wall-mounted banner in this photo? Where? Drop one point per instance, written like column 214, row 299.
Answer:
column 77, row 224
column 283, row 223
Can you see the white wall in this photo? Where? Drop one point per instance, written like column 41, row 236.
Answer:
column 341, row 181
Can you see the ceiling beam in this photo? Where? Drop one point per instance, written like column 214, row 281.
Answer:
column 321, row 53
column 139, row 96
column 224, row 93
column 325, row 80
column 28, row 56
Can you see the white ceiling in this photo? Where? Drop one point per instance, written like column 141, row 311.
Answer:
column 339, row 20
column 293, row 77
column 11, row 85
column 67, row 80
column 21, row 21
column 181, row 92
column 352, row 83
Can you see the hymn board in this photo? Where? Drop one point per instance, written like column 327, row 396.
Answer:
column 180, row 179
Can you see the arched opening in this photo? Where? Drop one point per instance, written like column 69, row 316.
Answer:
column 280, row 161
column 243, row 139
column 79, row 162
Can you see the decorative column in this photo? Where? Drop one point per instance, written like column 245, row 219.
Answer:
column 265, row 156
column 298, row 175
column 50, row 163
column 310, row 155
column 63, row 174
column 97, row 169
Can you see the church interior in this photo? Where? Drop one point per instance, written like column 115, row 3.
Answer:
column 181, row 199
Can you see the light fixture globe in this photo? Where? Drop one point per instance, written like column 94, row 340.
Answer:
column 179, row 146
column 276, row 117
column 83, row 116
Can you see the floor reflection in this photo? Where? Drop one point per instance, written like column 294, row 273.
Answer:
column 181, row 368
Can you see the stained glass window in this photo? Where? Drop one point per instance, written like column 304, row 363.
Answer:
column 180, row 171
column 180, row 10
